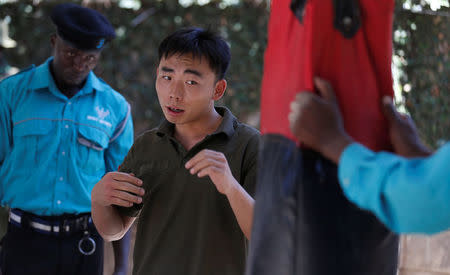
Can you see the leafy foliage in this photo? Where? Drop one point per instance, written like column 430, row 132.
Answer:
column 422, row 46
column 420, row 41
column 129, row 63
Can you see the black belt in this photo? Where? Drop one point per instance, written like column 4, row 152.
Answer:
column 58, row 225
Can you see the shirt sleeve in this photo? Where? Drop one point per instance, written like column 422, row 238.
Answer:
column 5, row 127
column 119, row 156
column 5, row 124
column 407, row 195
column 120, row 143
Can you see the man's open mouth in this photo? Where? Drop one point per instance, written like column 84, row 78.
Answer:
column 175, row 110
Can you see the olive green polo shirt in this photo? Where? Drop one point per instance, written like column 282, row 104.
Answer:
column 186, row 226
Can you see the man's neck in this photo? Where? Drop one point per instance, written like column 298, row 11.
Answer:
column 190, row 134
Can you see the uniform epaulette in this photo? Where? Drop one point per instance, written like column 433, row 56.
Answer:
column 27, row 69
column 102, row 81
column 22, row 71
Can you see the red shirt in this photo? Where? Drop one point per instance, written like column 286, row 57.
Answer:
column 359, row 69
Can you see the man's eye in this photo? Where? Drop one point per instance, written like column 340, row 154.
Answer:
column 91, row 58
column 166, row 77
column 70, row 54
column 191, row 82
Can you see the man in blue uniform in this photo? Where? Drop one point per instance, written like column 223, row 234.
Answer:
column 61, row 129
column 5, row 70
column 409, row 192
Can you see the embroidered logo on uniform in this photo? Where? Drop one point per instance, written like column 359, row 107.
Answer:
column 101, row 115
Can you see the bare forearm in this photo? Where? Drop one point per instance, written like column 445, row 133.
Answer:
column 242, row 204
column 109, row 223
column 335, row 147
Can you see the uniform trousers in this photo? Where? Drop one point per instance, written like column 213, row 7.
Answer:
column 26, row 251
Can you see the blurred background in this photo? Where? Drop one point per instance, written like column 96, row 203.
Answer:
column 421, row 56
column 420, row 66
column 128, row 64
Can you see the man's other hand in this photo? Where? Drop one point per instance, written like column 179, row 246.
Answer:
column 403, row 132
column 316, row 121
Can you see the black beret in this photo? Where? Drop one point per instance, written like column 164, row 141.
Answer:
column 84, row 28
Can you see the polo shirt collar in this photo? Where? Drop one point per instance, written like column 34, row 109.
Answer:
column 227, row 126
column 228, row 122
column 166, row 128
column 42, row 78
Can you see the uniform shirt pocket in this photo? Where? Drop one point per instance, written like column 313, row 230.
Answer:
column 30, row 139
column 91, row 144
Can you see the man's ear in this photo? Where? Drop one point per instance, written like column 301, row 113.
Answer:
column 219, row 89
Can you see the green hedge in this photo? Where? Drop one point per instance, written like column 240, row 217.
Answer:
column 128, row 64
column 422, row 45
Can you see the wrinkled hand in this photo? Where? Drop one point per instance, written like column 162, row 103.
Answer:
column 316, row 121
column 402, row 131
column 215, row 165
column 116, row 188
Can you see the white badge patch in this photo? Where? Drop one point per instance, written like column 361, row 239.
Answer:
column 101, row 115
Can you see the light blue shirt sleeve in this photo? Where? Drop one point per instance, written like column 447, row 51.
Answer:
column 5, row 127
column 407, row 195
column 120, row 143
column 5, row 130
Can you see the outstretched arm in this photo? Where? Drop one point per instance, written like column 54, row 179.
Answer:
column 409, row 193
column 317, row 122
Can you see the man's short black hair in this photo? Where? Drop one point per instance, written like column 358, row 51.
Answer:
column 200, row 43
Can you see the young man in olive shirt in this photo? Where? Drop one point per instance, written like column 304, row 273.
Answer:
column 193, row 174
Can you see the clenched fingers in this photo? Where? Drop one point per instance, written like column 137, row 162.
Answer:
column 206, row 163
column 128, row 187
column 119, row 189
column 121, row 202
column 125, row 196
column 124, row 177
column 205, row 155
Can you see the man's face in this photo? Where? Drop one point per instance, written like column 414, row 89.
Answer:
column 187, row 88
column 71, row 65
